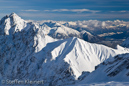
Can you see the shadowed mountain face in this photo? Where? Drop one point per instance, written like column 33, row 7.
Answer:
column 126, row 43
column 27, row 52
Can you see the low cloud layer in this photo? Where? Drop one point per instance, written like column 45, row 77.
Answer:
column 122, row 11
column 72, row 10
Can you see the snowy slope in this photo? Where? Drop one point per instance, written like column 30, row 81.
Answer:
column 114, row 69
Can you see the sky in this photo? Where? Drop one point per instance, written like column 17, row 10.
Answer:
column 67, row 10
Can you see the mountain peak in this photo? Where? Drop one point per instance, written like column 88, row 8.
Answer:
column 12, row 23
column 15, row 18
column 13, row 14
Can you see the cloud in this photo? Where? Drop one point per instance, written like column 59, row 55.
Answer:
column 31, row 10
column 83, row 10
column 60, row 10
column 47, row 10
column 122, row 11
column 72, row 10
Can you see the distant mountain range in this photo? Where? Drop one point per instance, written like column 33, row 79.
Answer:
column 58, row 54
column 109, row 33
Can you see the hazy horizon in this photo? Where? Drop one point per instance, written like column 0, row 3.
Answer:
column 68, row 10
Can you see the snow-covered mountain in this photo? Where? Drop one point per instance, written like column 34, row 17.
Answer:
column 27, row 52
column 72, row 57
column 56, row 30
